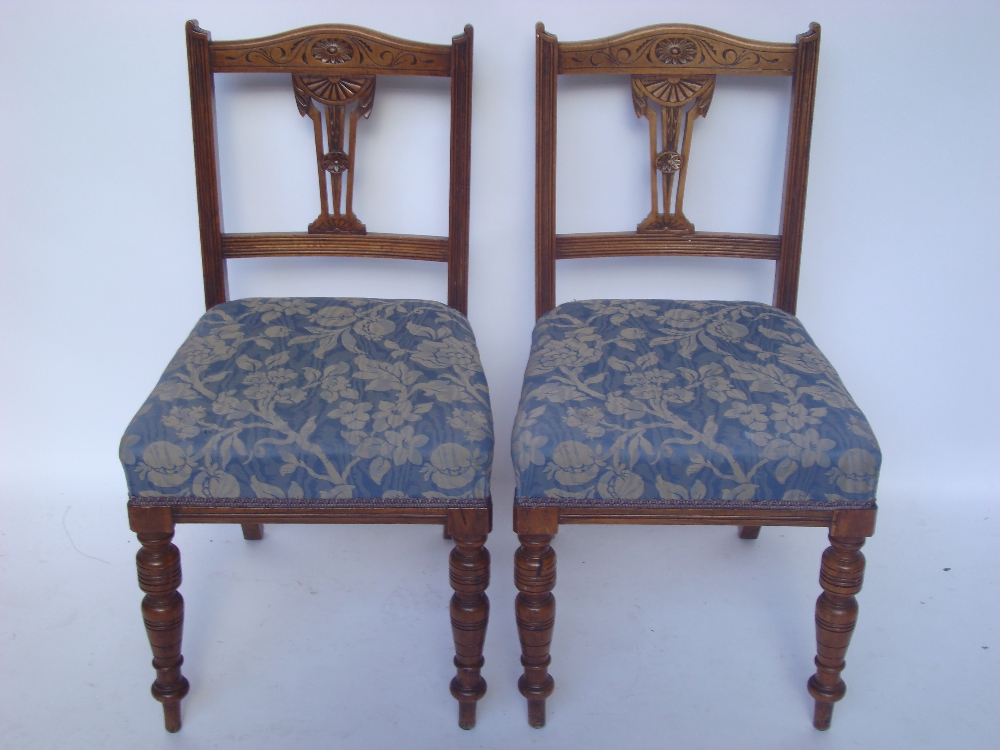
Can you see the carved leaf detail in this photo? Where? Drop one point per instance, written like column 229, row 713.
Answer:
column 303, row 100
column 366, row 99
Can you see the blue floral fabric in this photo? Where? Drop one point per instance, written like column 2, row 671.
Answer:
column 687, row 404
column 317, row 400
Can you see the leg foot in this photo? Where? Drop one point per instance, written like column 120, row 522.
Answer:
column 466, row 715
column 841, row 576
column 172, row 716
column 749, row 532
column 469, row 568
column 536, row 712
column 253, row 532
column 159, row 565
column 822, row 715
column 535, row 609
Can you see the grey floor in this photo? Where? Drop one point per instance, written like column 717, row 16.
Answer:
column 338, row 636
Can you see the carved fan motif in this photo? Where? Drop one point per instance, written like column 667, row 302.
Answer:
column 670, row 104
column 336, row 89
column 335, row 94
column 666, row 91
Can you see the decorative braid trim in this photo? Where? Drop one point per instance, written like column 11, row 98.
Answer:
column 598, row 502
column 283, row 504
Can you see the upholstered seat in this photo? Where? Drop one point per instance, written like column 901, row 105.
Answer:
column 687, row 404
column 317, row 400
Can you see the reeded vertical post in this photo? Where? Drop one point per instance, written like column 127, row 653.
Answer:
column 159, row 565
column 546, row 82
column 841, row 575
column 535, row 609
column 461, row 165
column 793, row 202
column 206, row 164
column 469, row 571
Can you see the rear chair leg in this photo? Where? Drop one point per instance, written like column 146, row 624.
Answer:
column 253, row 532
column 535, row 608
column 159, row 565
column 841, row 575
column 469, row 571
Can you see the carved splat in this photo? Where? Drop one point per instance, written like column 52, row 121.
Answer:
column 336, row 95
column 670, row 104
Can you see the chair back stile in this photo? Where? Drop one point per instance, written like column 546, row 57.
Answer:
column 334, row 69
column 672, row 69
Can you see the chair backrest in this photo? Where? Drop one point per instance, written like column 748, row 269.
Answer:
column 673, row 69
column 334, row 70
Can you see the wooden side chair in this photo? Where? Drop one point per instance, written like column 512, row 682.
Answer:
column 319, row 410
column 674, row 412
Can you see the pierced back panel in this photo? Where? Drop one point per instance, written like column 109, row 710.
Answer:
column 334, row 73
column 673, row 69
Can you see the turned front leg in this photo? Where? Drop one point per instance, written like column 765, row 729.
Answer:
column 535, row 608
column 469, row 569
column 159, row 565
column 840, row 576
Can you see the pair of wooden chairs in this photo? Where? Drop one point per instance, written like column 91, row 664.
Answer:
column 332, row 410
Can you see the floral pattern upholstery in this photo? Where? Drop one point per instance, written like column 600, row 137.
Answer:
column 317, row 401
column 686, row 404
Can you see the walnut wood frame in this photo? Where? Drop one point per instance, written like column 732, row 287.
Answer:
column 842, row 566
column 630, row 53
column 468, row 524
column 377, row 54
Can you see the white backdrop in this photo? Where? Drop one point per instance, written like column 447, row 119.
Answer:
column 101, row 279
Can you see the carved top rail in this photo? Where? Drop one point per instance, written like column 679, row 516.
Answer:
column 331, row 49
column 676, row 49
